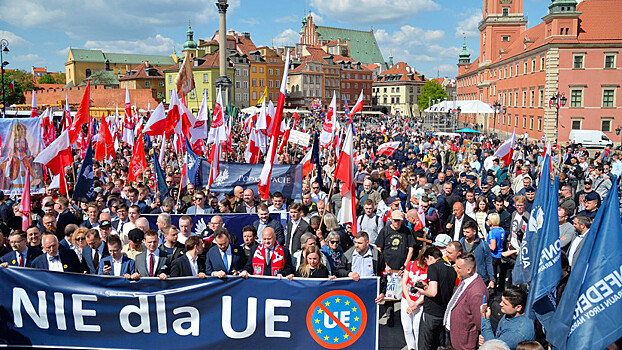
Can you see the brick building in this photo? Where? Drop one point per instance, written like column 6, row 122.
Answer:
column 573, row 51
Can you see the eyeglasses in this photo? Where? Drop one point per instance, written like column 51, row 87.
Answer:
column 334, row 242
column 198, row 199
column 79, row 239
column 316, row 188
column 169, row 182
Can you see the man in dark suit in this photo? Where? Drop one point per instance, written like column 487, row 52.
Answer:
column 4, row 249
column 153, row 262
column 92, row 211
column 69, row 230
column 55, row 259
column 94, row 251
column 22, row 255
column 224, row 259
column 132, row 199
column 65, row 217
column 461, row 317
column 456, row 222
column 296, row 227
column 248, row 204
column 191, row 263
column 266, row 221
column 269, row 258
column 170, row 245
column 116, row 264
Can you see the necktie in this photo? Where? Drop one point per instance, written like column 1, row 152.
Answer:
column 21, row 260
column 52, row 258
column 226, row 261
column 96, row 260
column 151, row 263
column 267, row 257
column 452, row 302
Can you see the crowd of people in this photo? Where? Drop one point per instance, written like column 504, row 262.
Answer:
column 454, row 274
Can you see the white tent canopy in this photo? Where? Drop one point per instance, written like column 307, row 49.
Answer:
column 466, row 106
column 255, row 110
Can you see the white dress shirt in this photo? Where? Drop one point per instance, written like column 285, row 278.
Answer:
column 574, row 247
column 116, row 267
column 228, row 252
column 457, row 227
column 55, row 265
column 156, row 258
column 193, row 265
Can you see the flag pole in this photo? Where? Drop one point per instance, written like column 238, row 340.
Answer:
column 330, row 192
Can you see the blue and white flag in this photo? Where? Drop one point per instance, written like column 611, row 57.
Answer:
column 315, row 158
column 194, row 166
column 84, row 190
column 590, row 310
column 160, row 178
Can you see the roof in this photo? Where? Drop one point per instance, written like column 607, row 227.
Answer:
column 400, row 72
column 102, row 77
column 363, row 45
column 301, row 69
column 144, row 71
column 80, row 55
column 242, row 43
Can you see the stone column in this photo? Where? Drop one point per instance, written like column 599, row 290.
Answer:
column 223, row 81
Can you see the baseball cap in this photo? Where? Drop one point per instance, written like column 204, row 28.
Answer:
column 530, row 189
column 442, row 240
column 136, row 235
column 427, row 186
column 105, row 223
column 397, row 215
column 505, row 183
column 592, row 196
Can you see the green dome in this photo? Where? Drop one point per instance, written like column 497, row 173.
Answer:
column 190, row 44
column 465, row 53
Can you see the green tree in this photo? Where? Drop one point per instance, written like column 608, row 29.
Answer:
column 431, row 90
column 47, row 79
column 23, row 82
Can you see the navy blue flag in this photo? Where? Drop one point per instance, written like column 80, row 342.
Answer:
column 159, row 177
column 84, row 190
column 194, row 166
column 315, row 158
column 542, row 228
column 590, row 310
column 97, row 312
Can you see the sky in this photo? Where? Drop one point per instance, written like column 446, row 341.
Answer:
column 426, row 34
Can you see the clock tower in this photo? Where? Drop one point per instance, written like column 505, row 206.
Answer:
column 502, row 23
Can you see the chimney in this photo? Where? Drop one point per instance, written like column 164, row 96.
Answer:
column 247, row 35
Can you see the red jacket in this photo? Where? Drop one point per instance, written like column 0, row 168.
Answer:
column 465, row 322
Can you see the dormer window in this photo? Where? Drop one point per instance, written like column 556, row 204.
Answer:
column 506, row 11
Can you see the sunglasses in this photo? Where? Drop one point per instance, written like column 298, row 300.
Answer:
column 79, row 238
column 334, row 242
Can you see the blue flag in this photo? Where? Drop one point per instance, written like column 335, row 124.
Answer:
column 543, row 221
column 194, row 166
column 315, row 158
column 84, row 190
column 159, row 177
column 590, row 310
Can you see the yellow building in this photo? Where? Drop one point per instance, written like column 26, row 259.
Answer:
column 273, row 70
column 82, row 63
column 257, row 79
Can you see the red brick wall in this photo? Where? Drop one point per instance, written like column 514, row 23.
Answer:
column 101, row 97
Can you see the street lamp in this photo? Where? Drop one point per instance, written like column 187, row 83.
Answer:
column 618, row 130
column 458, row 110
column 497, row 109
column 562, row 102
column 4, row 49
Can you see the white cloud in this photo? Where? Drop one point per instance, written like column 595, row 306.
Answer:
column 287, row 37
column 288, row 19
column 317, row 19
column 30, row 59
column 107, row 20
column 446, row 69
column 373, row 11
column 468, row 26
column 152, row 45
column 14, row 39
column 408, row 35
column 63, row 52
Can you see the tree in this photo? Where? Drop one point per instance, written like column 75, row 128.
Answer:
column 23, row 82
column 431, row 90
column 47, row 79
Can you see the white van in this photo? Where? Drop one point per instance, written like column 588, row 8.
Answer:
column 590, row 138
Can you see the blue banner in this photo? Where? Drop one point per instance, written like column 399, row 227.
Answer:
column 286, row 179
column 588, row 315
column 84, row 190
column 185, row 313
column 234, row 223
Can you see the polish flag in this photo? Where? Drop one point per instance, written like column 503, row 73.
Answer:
column 138, row 163
column 266, row 171
column 214, row 158
column 250, row 123
column 345, row 172
column 66, row 123
column 296, row 118
column 199, row 130
column 128, row 121
column 187, row 119
column 306, row 165
column 57, row 155
column 272, row 125
column 388, row 148
column 328, row 132
column 82, row 115
column 285, row 138
column 156, row 125
column 48, row 134
column 173, row 115
column 251, row 155
column 217, row 133
column 420, row 219
column 104, row 146
column 357, row 107
column 185, row 180
column 24, row 205
column 59, row 181
column 34, row 112
column 506, row 149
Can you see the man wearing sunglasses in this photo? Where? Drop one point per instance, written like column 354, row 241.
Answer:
column 199, row 206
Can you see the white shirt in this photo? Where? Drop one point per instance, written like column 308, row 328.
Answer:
column 55, row 265
column 182, row 239
column 116, row 267
column 228, row 252
column 193, row 265
column 372, row 225
column 466, row 284
column 457, row 227
column 291, row 239
column 156, row 258
column 316, row 197
column 574, row 246
column 100, row 251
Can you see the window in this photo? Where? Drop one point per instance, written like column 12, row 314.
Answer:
column 506, row 11
column 147, row 83
column 531, row 122
column 170, row 79
column 260, row 69
column 205, row 77
column 539, row 123
column 576, row 98
column 605, row 125
column 542, row 63
column 541, row 104
column 608, row 97
column 270, row 71
column 397, row 89
column 278, row 72
column 516, row 120
column 270, row 96
column 254, row 69
column 161, row 84
column 397, row 100
column 237, row 85
column 255, row 82
column 525, row 98
column 610, row 61
column 192, row 93
column 88, row 73
column 261, row 82
column 385, row 100
column 524, row 122
column 245, row 97
column 575, row 124
column 238, row 96
column 510, row 71
column 533, row 97
column 533, row 65
column 578, row 62
column 516, row 69
column 245, row 84
column 277, row 84
column 516, row 97
column 270, row 83
column 505, row 38
column 525, row 67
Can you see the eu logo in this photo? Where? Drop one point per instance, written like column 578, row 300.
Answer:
column 337, row 319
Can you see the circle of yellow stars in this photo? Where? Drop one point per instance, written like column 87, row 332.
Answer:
column 345, row 336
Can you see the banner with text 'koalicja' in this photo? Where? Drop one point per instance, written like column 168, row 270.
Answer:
column 66, row 310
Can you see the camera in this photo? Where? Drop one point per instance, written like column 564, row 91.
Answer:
column 419, row 285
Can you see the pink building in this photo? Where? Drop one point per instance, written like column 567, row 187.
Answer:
column 573, row 52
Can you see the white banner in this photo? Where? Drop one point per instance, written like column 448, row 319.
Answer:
column 299, row 138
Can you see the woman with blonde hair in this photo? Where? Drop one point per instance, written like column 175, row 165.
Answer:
column 312, row 266
column 78, row 241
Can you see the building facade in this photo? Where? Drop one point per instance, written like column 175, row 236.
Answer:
column 572, row 52
column 144, row 77
column 397, row 89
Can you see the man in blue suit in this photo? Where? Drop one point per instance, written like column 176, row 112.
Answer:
column 224, row 259
column 95, row 250
column 21, row 255
column 116, row 264
column 266, row 221
column 54, row 259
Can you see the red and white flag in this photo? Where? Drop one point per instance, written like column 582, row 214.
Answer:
column 59, row 181
column 357, row 107
column 217, row 133
column 251, row 155
column 66, row 123
column 307, row 167
column 266, row 171
column 104, row 146
column 57, row 155
column 388, row 148
column 328, row 130
column 285, row 138
column 48, row 134
column 185, row 180
column 506, row 150
column 138, row 163
column 420, row 220
column 345, row 172
column 156, row 125
column 34, row 112
column 82, row 115
column 199, row 130
column 128, row 120
column 214, row 159
column 173, row 116
column 24, row 204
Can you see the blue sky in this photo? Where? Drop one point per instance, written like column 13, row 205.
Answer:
column 427, row 34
